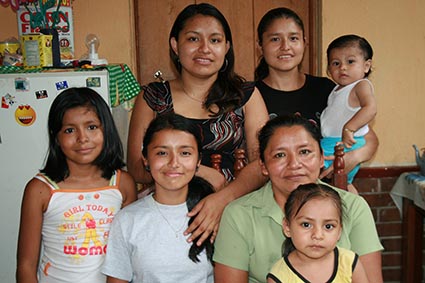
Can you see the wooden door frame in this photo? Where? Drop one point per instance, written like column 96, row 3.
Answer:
column 137, row 38
column 315, row 37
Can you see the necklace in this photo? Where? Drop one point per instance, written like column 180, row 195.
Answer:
column 176, row 232
column 191, row 96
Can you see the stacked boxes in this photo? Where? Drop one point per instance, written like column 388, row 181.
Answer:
column 64, row 27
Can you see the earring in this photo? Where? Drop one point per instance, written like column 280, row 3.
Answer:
column 226, row 63
column 147, row 168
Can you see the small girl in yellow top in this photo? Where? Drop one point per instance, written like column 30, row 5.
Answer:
column 313, row 225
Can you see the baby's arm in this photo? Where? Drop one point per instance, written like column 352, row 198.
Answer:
column 361, row 95
column 34, row 203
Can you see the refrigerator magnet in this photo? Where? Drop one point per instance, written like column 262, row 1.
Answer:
column 4, row 104
column 7, row 101
column 22, row 84
column 93, row 82
column 40, row 94
column 25, row 115
column 61, row 85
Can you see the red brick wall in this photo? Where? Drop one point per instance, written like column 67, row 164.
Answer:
column 375, row 184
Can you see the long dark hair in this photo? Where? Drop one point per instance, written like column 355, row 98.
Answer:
column 299, row 197
column 349, row 40
column 198, row 187
column 111, row 156
column 226, row 92
column 262, row 69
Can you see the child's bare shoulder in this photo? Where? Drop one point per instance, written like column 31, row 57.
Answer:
column 364, row 86
column 127, row 187
column 37, row 192
column 38, row 187
column 126, row 177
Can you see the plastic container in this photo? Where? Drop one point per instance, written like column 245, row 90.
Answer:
column 9, row 47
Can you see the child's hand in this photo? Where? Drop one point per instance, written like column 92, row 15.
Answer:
column 348, row 138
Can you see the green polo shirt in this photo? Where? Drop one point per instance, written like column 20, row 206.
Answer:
column 250, row 236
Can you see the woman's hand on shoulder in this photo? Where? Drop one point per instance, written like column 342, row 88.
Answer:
column 208, row 214
column 127, row 187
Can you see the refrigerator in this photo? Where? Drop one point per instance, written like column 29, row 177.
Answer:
column 26, row 99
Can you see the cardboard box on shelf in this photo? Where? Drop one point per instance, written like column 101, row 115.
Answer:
column 36, row 50
column 65, row 27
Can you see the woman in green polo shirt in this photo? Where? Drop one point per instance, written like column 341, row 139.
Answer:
column 250, row 234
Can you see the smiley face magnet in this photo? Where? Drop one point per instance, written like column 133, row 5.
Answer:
column 25, row 115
